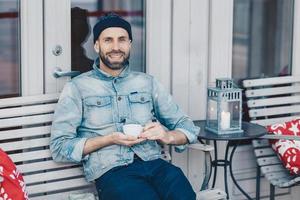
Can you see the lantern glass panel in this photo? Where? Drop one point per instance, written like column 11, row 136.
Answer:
column 235, row 110
column 212, row 116
column 229, row 115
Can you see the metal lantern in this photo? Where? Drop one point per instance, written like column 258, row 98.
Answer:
column 224, row 108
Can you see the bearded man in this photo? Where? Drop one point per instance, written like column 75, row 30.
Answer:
column 94, row 106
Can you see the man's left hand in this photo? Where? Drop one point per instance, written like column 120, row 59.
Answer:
column 155, row 131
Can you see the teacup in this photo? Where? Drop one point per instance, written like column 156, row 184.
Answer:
column 132, row 129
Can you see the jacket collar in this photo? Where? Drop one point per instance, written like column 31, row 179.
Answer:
column 104, row 75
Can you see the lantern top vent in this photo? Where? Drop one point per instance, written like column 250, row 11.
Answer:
column 224, row 83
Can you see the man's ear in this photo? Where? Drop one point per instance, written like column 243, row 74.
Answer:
column 96, row 46
column 130, row 44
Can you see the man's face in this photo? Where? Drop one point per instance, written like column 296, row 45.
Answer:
column 113, row 47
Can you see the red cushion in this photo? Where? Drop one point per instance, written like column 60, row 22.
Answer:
column 12, row 185
column 287, row 150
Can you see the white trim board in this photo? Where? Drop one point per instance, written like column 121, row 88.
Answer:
column 32, row 58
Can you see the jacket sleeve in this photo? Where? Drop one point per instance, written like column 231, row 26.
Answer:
column 171, row 116
column 65, row 143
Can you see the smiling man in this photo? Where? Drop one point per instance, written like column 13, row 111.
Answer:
column 89, row 118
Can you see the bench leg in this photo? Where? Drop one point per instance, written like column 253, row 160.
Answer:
column 257, row 182
column 272, row 192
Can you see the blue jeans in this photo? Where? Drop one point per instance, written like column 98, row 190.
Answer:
column 145, row 180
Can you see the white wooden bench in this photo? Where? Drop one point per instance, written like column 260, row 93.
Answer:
column 272, row 100
column 25, row 134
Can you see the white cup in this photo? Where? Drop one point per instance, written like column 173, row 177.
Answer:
column 132, row 129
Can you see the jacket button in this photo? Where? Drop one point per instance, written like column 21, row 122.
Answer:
column 119, row 98
column 142, row 99
column 98, row 102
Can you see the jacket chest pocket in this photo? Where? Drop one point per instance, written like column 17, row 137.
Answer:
column 141, row 107
column 97, row 111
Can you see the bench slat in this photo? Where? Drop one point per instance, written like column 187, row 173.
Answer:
column 25, row 132
column 275, row 111
column 273, row 101
column 64, row 195
column 23, row 121
column 271, row 81
column 32, row 155
column 289, row 182
column 266, row 122
column 28, row 100
column 58, row 186
column 273, row 160
column 260, row 143
column 25, row 144
column 53, row 175
column 42, row 165
column 272, row 168
column 274, row 91
column 27, row 110
column 278, row 174
column 264, row 152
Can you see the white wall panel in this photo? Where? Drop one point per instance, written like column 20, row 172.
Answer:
column 220, row 41
column 158, row 40
column 32, row 66
column 181, row 66
column 220, row 55
column 198, row 64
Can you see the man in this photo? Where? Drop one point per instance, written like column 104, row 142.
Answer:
column 94, row 106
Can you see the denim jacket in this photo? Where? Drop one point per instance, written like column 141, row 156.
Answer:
column 96, row 104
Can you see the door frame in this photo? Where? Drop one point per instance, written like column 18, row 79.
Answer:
column 32, row 48
column 296, row 39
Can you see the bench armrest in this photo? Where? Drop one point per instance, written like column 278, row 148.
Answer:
column 280, row 137
column 201, row 147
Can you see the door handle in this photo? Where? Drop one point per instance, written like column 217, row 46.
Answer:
column 59, row 73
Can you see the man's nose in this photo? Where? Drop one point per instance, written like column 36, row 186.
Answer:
column 116, row 45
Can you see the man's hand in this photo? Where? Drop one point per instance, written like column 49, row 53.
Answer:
column 155, row 131
column 95, row 143
column 126, row 140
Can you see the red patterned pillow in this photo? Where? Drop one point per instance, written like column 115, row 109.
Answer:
column 12, row 185
column 287, row 150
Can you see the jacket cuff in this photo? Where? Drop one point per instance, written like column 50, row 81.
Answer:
column 77, row 153
column 192, row 138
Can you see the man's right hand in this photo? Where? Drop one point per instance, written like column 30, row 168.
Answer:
column 126, row 140
column 95, row 143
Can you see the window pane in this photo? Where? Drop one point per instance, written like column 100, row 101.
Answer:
column 262, row 38
column 9, row 49
column 84, row 15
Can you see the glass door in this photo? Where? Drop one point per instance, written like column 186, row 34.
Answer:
column 69, row 41
column 10, row 49
column 21, row 49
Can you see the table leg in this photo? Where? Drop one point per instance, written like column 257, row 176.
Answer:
column 225, row 170
column 231, row 173
column 215, row 164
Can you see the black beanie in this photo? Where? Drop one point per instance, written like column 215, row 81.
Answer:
column 111, row 20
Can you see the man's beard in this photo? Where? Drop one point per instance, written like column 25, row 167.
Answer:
column 114, row 66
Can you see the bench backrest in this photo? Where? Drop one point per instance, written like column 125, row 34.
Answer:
column 25, row 134
column 273, row 100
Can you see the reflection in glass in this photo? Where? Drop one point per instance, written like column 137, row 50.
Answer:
column 9, row 49
column 262, row 38
column 84, row 14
